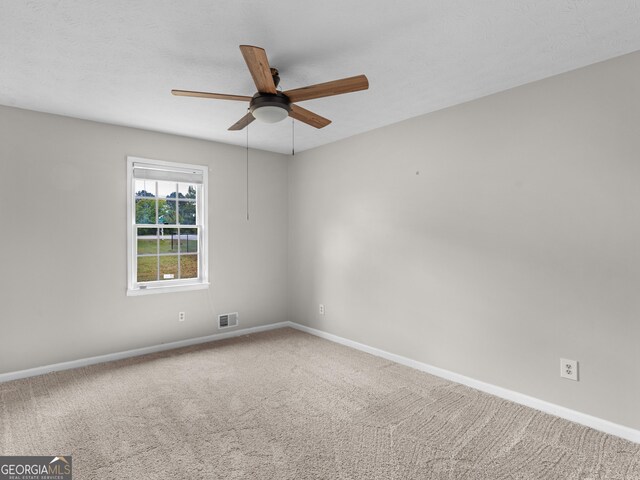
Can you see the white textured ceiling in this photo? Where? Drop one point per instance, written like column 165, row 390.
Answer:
column 116, row 61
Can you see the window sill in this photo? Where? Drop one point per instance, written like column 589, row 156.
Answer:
column 166, row 289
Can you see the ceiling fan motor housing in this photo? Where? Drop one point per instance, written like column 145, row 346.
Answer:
column 265, row 106
column 270, row 100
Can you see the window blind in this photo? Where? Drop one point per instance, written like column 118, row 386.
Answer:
column 151, row 172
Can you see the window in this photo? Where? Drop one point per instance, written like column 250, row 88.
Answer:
column 166, row 226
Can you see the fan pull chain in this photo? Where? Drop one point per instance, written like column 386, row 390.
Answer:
column 248, row 169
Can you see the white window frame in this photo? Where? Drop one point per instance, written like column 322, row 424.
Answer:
column 144, row 288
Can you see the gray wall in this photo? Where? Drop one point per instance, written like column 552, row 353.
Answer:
column 489, row 239
column 63, row 241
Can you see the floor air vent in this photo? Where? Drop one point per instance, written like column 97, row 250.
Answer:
column 228, row 320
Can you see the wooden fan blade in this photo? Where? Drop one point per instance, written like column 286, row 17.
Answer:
column 258, row 64
column 336, row 87
column 243, row 122
column 219, row 96
column 308, row 117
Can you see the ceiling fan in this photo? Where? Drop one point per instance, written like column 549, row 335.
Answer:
column 270, row 105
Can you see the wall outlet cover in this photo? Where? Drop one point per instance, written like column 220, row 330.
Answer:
column 569, row 369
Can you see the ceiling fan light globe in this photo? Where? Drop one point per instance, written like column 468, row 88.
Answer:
column 270, row 114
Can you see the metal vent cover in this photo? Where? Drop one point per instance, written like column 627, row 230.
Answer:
column 228, row 320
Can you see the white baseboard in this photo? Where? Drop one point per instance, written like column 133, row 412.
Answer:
column 547, row 407
column 83, row 362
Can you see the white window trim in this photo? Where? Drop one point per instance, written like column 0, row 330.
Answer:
column 133, row 289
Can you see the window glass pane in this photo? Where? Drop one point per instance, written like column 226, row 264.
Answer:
column 186, row 190
column 168, row 267
column 168, row 240
column 187, row 210
column 145, row 211
column 189, row 266
column 167, row 212
column 167, row 189
column 145, row 188
column 147, row 241
column 147, row 269
column 188, row 240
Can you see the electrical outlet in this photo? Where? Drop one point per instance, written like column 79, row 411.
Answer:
column 182, row 316
column 569, row 369
column 321, row 309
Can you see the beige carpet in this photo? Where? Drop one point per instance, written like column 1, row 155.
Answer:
column 287, row 405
